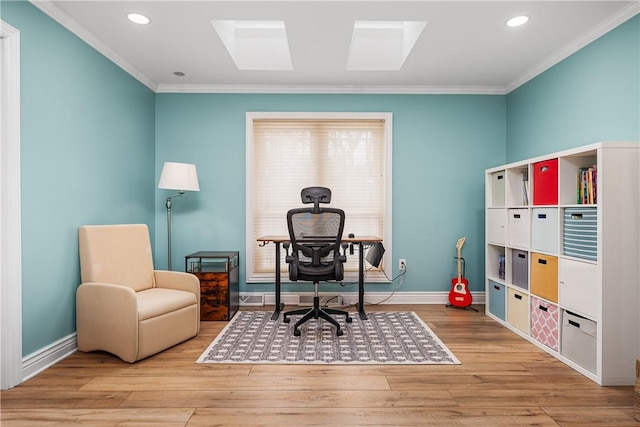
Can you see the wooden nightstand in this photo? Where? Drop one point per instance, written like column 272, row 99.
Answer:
column 219, row 282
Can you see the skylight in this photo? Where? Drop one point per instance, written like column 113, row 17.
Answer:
column 255, row 45
column 382, row 45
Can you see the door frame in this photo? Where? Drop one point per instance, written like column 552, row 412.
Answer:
column 10, row 211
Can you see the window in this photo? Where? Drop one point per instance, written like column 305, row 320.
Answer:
column 347, row 152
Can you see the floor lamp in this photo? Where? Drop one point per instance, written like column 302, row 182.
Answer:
column 177, row 176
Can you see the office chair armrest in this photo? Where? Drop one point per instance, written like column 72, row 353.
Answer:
column 286, row 246
column 338, row 268
column 289, row 258
column 344, row 246
column 293, row 267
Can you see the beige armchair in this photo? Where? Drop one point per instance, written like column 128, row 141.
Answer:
column 124, row 306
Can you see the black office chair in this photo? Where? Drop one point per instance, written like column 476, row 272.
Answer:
column 316, row 235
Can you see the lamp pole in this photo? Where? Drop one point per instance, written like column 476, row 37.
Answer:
column 168, row 205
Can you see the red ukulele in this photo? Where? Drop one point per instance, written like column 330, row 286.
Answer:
column 459, row 296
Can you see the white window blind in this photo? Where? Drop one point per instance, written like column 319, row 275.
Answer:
column 345, row 155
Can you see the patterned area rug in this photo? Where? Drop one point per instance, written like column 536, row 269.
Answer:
column 385, row 338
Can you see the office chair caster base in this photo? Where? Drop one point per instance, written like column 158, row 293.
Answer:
column 347, row 318
column 296, row 332
column 285, row 319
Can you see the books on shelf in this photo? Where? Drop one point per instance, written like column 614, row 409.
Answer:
column 525, row 188
column 501, row 266
column 587, row 189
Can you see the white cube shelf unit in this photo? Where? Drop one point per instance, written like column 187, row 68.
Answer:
column 561, row 263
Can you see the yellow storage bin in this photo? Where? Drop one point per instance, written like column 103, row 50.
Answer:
column 544, row 276
column 518, row 309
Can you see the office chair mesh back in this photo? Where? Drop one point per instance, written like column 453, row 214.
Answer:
column 315, row 240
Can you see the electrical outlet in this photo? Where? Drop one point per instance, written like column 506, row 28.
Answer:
column 402, row 264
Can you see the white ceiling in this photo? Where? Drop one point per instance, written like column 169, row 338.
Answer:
column 465, row 47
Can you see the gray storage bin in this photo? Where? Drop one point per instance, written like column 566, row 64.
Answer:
column 520, row 268
column 579, row 340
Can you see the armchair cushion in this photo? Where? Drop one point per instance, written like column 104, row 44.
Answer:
column 155, row 302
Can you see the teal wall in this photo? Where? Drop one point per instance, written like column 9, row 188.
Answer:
column 94, row 140
column 441, row 146
column 87, row 157
column 594, row 95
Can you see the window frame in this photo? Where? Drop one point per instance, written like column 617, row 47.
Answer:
column 253, row 245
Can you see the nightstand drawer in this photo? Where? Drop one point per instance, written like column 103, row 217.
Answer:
column 213, row 302
column 213, row 279
column 211, row 291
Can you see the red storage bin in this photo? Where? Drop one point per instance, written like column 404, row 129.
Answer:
column 545, row 182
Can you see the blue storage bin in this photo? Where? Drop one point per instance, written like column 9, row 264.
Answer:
column 580, row 233
column 497, row 300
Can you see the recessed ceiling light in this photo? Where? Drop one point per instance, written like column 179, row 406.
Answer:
column 138, row 18
column 516, row 21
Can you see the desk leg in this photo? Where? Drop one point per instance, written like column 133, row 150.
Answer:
column 279, row 306
column 361, row 313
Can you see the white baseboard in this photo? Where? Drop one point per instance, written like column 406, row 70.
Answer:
column 40, row 360
column 292, row 298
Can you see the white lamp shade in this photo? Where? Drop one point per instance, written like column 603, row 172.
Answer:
column 179, row 176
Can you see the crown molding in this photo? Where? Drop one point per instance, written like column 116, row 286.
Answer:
column 88, row 37
column 342, row 89
column 61, row 17
column 589, row 37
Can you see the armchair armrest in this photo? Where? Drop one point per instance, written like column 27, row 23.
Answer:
column 177, row 280
column 107, row 319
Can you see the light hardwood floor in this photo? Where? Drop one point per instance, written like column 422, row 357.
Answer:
column 503, row 381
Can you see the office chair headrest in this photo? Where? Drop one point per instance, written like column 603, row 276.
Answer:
column 315, row 195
